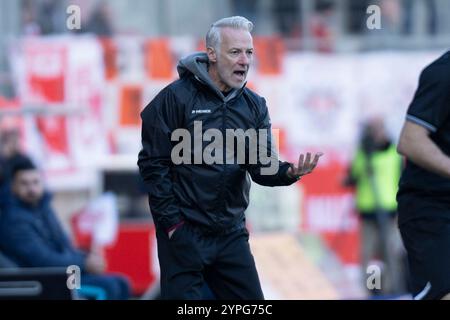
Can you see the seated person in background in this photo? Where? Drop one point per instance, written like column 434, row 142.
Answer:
column 10, row 153
column 31, row 235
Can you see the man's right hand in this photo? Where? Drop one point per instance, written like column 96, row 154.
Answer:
column 304, row 167
column 95, row 264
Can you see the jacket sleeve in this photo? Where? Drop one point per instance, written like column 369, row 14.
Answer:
column 159, row 119
column 269, row 170
column 20, row 239
column 64, row 239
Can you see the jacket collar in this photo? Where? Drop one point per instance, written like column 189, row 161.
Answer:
column 46, row 198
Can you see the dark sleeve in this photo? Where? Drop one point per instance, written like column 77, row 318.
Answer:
column 431, row 104
column 279, row 177
column 350, row 179
column 63, row 238
column 5, row 262
column 4, row 195
column 4, row 186
column 159, row 119
column 21, row 240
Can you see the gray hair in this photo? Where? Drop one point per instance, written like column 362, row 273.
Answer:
column 235, row 22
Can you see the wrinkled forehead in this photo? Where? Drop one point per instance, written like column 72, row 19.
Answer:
column 236, row 38
column 28, row 176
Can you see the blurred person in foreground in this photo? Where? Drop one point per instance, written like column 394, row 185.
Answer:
column 424, row 189
column 199, row 208
column 375, row 172
column 31, row 235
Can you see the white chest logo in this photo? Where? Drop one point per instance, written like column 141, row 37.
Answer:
column 201, row 111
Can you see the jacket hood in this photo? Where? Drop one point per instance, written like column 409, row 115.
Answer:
column 197, row 64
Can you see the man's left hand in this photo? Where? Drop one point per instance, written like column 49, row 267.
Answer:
column 305, row 165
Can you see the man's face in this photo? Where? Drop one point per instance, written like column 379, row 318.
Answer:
column 28, row 187
column 232, row 60
column 378, row 131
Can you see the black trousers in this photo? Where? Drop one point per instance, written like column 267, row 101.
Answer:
column 427, row 241
column 190, row 259
column 426, row 237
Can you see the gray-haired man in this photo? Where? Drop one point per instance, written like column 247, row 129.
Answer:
column 198, row 207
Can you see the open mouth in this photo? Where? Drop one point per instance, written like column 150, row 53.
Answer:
column 239, row 73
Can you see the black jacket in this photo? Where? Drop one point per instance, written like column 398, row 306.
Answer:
column 213, row 196
column 33, row 236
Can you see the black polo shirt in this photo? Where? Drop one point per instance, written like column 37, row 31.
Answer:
column 430, row 108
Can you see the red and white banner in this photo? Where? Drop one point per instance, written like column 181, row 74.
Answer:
column 61, row 81
column 45, row 67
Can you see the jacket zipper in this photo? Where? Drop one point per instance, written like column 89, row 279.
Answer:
column 222, row 191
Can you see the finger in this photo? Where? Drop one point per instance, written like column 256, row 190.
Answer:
column 307, row 163
column 316, row 160
column 300, row 162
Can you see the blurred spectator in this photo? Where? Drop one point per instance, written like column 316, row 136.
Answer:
column 431, row 17
column 100, row 21
column 356, row 22
column 30, row 25
column 10, row 143
column 390, row 16
column 31, row 235
column 375, row 171
column 10, row 153
column 43, row 17
column 287, row 17
column 8, row 147
column 246, row 8
column 51, row 17
column 322, row 24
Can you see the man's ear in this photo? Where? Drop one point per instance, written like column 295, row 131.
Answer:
column 212, row 56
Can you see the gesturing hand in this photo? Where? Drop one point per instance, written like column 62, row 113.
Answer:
column 305, row 165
